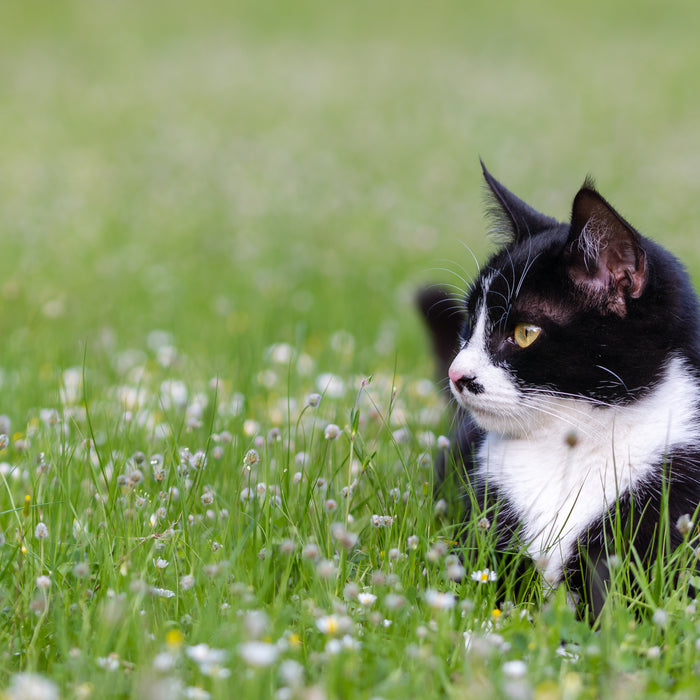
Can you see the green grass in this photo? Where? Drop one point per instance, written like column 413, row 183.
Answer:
column 267, row 184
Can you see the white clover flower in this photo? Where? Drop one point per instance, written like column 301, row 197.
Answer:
column 164, row 662
column 394, row 601
column 660, row 617
column 439, row 600
column 81, row 570
column 331, row 385
column 72, row 389
column 484, row 524
column 41, row 532
column 344, row 537
column 366, row 598
column 313, row 400
column 173, row 394
column 204, row 654
column 258, row 654
column 455, row 571
column 653, row 652
column 214, row 670
column 281, row 353
column 332, row 432
column 326, row 569
column 514, row 669
column 43, row 582
column 257, row 623
column 685, row 525
column 109, row 663
column 187, row 582
column 160, row 563
column 412, row 542
column 31, row 686
column 251, row 458
column 292, row 673
column 381, row 520
column 440, row 507
column 310, row 551
column 485, row 576
column 443, row 442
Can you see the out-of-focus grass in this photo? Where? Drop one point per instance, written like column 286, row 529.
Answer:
column 259, row 170
column 238, row 174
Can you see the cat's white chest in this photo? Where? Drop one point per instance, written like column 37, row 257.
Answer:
column 565, row 476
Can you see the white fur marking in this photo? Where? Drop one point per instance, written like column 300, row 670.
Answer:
column 495, row 407
column 558, row 490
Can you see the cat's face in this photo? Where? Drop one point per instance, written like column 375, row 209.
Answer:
column 561, row 313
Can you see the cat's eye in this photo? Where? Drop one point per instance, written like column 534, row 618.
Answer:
column 526, row 334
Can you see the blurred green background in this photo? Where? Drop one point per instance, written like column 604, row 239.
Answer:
column 240, row 173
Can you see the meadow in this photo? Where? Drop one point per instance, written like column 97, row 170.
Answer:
column 218, row 414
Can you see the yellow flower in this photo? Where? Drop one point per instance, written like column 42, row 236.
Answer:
column 174, row 639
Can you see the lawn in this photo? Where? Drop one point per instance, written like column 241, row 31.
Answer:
column 218, row 416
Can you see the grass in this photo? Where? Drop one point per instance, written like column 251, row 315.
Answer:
column 209, row 214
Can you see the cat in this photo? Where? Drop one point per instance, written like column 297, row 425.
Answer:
column 575, row 363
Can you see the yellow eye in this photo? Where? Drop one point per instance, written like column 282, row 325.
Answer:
column 526, row 334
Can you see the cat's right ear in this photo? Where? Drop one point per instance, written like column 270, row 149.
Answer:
column 514, row 218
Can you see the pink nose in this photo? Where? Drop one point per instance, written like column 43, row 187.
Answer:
column 455, row 374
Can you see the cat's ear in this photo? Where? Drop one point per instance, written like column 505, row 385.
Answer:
column 516, row 219
column 605, row 255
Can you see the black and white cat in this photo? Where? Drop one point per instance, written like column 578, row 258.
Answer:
column 577, row 360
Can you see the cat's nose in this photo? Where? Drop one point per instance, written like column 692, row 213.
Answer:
column 464, row 381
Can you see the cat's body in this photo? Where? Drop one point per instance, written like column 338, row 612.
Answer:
column 579, row 368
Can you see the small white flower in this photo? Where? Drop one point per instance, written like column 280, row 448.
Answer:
column 251, row 458
column 439, row 600
column 109, row 663
column 160, row 563
column 653, row 652
column 291, row 673
column 685, row 524
column 455, row 572
column 485, row 576
column 332, row 432
column 313, row 400
column 204, row 654
column 514, row 669
column 43, row 582
column 366, row 598
column 334, row 624
column 31, row 686
column 258, row 654
column 164, row 662
column 660, row 617
column 41, row 532
column 187, row 582
column 162, row 592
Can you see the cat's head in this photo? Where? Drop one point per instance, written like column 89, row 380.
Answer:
column 583, row 310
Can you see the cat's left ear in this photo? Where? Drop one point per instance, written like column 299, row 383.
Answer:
column 605, row 255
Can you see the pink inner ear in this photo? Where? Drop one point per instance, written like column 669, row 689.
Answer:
column 605, row 253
